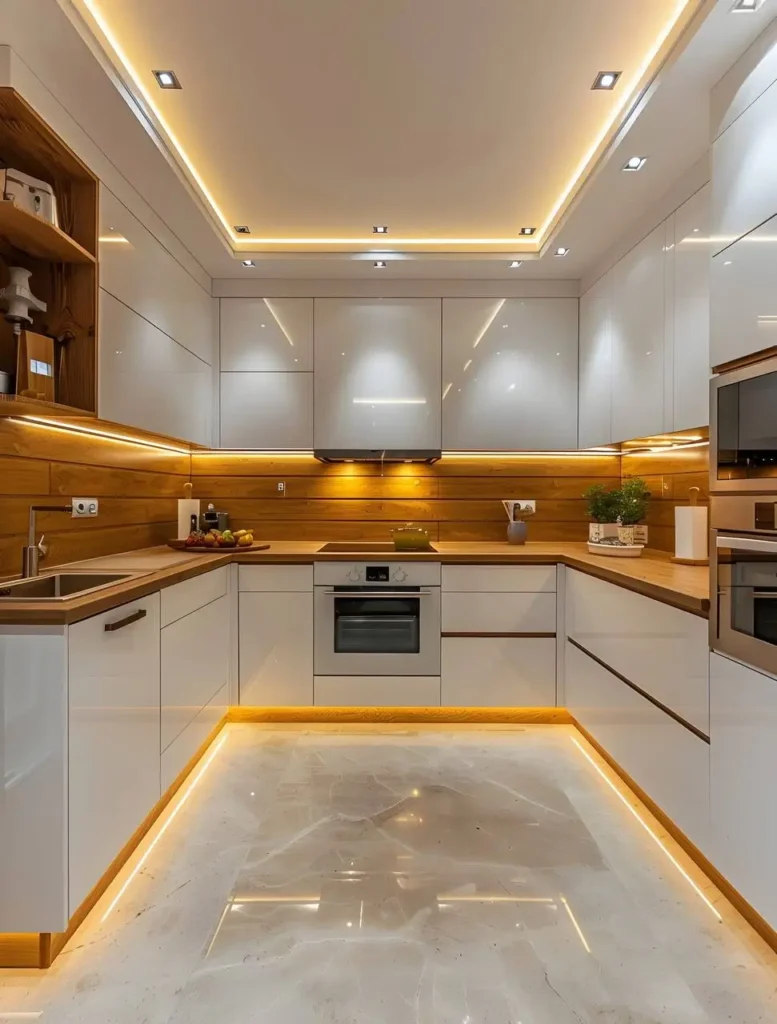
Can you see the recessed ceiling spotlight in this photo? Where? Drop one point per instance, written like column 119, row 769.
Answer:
column 380, row 229
column 249, row 263
column 635, row 163
column 561, row 251
column 746, row 6
column 528, row 231
column 515, row 264
column 379, row 264
column 167, row 80
column 242, row 229
column 606, row 80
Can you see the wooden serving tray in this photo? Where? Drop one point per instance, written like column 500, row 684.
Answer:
column 181, row 545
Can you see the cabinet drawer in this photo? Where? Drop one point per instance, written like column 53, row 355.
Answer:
column 491, row 579
column 498, row 613
column 377, row 691
column 187, row 597
column 195, row 665
column 278, row 578
column 498, row 672
column 113, row 682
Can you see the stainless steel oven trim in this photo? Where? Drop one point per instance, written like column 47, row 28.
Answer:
column 716, row 383
column 749, row 650
column 355, row 592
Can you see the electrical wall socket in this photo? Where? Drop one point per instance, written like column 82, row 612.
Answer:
column 83, row 508
column 281, row 487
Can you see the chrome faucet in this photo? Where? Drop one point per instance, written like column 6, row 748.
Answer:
column 33, row 552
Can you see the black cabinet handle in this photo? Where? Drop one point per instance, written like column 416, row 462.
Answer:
column 111, row 627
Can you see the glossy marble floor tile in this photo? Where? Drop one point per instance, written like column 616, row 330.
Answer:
column 362, row 875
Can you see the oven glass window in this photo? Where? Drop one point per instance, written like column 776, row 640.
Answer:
column 377, row 625
column 748, row 584
column 747, row 429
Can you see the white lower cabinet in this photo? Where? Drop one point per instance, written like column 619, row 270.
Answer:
column 195, row 665
column 377, row 691
column 114, row 712
column 188, row 742
column 743, row 720
column 276, row 648
column 498, row 672
column 663, row 757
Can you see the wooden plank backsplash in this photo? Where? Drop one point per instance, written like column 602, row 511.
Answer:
column 458, row 498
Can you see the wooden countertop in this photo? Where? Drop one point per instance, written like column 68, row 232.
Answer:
column 654, row 574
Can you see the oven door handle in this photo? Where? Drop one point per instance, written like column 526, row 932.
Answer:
column 767, row 547
column 378, row 593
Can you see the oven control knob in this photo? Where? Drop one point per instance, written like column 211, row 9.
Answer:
column 400, row 575
column 353, row 574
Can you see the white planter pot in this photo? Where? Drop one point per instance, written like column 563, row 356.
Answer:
column 641, row 534
column 598, row 531
column 626, row 535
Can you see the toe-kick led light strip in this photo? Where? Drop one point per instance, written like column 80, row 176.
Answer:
column 166, row 825
column 647, row 828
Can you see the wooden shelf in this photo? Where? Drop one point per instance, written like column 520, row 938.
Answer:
column 37, row 237
column 17, row 405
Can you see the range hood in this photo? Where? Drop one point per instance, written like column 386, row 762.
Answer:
column 376, row 455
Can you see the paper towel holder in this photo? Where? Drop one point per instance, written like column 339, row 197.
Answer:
column 693, row 543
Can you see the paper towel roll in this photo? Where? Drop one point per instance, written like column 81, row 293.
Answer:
column 187, row 507
column 690, row 533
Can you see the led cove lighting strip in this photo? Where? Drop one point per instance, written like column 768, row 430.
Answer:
column 67, row 428
column 165, row 827
column 577, row 927
column 389, row 401
column 628, row 96
column 647, row 828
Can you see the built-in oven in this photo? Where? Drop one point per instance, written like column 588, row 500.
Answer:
column 743, row 617
column 380, row 619
column 743, row 429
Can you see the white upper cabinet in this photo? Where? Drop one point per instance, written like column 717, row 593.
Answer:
column 377, row 374
column 266, row 334
column 637, row 337
column 690, row 312
column 266, row 410
column 595, row 366
column 743, row 303
column 509, row 374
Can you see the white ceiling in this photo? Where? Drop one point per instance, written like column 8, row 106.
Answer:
column 446, row 117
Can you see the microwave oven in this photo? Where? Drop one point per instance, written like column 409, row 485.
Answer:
column 743, row 429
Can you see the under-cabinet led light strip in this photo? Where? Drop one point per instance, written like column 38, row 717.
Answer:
column 647, row 828
column 106, row 435
column 179, row 804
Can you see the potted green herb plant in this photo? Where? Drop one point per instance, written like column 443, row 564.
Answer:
column 632, row 506
column 602, row 509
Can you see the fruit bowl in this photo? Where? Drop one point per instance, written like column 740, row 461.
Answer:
column 215, row 540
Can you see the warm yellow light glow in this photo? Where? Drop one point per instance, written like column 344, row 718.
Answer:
column 577, row 927
column 628, row 91
column 114, row 238
column 389, row 401
column 447, row 389
column 646, row 827
column 106, row 435
column 493, row 898
column 23, row 1015
column 178, row 804
column 577, row 453
column 265, row 453
column 274, row 315
column 488, row 322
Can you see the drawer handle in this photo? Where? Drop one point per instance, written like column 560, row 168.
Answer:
column 111, row 627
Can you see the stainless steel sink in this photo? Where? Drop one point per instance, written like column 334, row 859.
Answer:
column 59, row 586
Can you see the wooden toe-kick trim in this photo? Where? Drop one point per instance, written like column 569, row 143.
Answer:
column 441, row 715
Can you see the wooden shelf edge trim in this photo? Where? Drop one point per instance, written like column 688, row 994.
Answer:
column 545, row 636
column 643, row 693
column 734, row 897
column 40, row 949
column 443, row 715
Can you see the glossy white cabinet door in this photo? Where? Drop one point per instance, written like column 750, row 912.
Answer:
column 637, row 336
column 266, row 334
column 266, row 410
column 663, row 757
column 744, row 185
column 509, row 374
column 148, row 380
column 114, row 684
column 33, row 759
column 743, row 303
column 595, row 427
column 185, row 746
column 661, row 649
column 136, row 269
column 498, row 672
column 377, row 373
column 195, row 665
column 691, row 258
column 496, row 579
column 498, row 613
column 744, row 766
column 276, row 649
